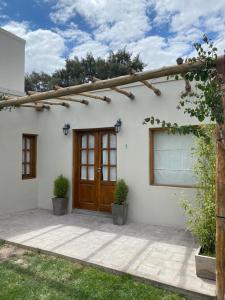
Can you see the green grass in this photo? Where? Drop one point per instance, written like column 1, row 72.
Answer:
column 37, row 276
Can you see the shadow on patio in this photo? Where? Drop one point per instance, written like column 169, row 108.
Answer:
column 159, row 254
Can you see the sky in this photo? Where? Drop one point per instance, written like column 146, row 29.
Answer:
column 158, row 30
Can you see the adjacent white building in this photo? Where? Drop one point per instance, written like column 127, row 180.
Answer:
column 34, row 149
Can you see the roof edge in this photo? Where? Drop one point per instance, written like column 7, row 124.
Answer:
column 12, row 35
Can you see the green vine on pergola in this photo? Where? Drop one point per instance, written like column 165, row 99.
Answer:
column 207, row 100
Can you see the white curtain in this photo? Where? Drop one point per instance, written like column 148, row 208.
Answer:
column 173, row 159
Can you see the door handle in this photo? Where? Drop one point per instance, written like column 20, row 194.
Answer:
column 99, row 169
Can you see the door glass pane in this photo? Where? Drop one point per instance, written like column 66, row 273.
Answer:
column 23, row 143
column 84, row 141
column 112, row 174
column 105, row 141
column 112, row 140
column 84, row 156
column 23, row 156
column 28, row 156
column 91, row 173
column 105, row 173
column 112, row 157
column 91, row 141
column 28, row 144
column 105, row 157
column 28, row 169
column 91, row 158
column 83, row 173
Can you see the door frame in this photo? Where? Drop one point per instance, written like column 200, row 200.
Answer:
column 75, row 174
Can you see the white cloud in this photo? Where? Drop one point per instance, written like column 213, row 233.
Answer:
column 96, row 48
column 160, row 30
column 117, row 23
column 44, row 48
column 182, row 15
column 110, row 20
column 73, row 33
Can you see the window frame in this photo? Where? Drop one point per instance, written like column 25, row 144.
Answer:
column 33, row 156
column 152, row 182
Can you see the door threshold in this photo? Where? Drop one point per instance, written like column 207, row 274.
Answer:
column 92, row 213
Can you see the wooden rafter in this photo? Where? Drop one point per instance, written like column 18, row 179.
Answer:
column 82, row 101
column 104, row 98
column 103, row 84
column 151, row 87
column 36, row 107
column 55, row 103
column 118, row 90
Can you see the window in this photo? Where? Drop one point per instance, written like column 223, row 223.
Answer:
column 171, row 159
column 29, row 156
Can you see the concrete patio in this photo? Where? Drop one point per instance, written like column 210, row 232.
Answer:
column 161, row 255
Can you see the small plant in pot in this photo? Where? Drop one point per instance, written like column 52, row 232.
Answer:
column 120, row 206
column 60, row 201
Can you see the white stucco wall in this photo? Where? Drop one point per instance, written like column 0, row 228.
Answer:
column 15, row 194
column 147, row 204
column 12, row 53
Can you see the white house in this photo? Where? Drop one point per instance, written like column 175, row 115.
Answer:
column 34, row 150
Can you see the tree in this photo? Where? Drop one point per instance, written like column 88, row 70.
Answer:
column 37, row 82
column 77, row 71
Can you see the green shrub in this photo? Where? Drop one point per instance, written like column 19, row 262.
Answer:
column 201, row 219
column 61, row 186
column 121, row 192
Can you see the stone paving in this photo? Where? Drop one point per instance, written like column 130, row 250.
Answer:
column 160, row 254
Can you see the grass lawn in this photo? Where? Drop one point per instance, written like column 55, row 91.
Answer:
column 30, row 275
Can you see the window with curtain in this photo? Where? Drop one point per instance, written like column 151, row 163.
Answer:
column 29, row 156
column 171, row 159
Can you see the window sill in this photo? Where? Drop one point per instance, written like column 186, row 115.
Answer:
column 28, row 177
column 174, row 185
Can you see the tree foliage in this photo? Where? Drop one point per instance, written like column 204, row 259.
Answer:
column 77, row 71
column 201, row 219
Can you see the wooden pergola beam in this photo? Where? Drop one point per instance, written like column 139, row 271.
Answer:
column 103, row 84
column 104, row 98
column 151, row 87
column 118, row 90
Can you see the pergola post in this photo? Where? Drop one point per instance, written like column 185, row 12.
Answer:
column 220, row 220
column 220, row 198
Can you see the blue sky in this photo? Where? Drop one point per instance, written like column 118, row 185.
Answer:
column 158, row 30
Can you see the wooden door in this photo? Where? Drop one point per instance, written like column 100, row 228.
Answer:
column 94, row 169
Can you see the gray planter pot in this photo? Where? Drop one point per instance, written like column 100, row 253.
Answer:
column 60, row 206
column 119, row 212
column 205, row 266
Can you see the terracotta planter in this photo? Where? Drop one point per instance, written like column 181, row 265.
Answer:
column 205, row 266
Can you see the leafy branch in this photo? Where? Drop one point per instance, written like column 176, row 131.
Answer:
column 207, row 100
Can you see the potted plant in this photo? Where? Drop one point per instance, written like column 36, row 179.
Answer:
column 201, row 219
column 60, row 201
column 119, row 207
